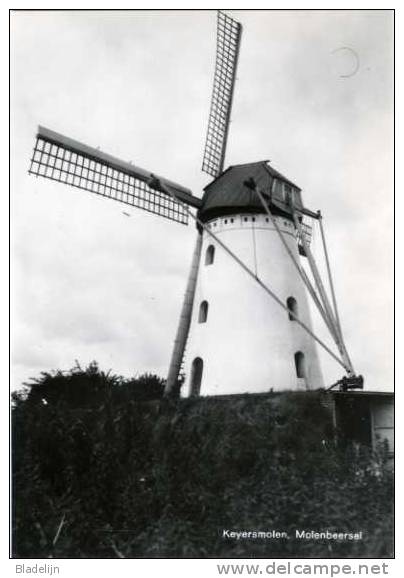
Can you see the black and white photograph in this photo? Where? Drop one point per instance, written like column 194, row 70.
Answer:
column 202, row 304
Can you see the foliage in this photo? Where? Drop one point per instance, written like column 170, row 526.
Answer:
column 87, row 388
column 121, row 476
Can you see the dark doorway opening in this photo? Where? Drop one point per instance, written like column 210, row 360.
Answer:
column 196, row 376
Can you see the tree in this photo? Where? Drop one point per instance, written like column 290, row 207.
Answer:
column 87, row 388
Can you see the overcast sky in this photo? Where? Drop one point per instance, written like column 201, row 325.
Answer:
column 313, row 95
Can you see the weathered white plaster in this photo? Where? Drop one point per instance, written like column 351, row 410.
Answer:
column 248, row 342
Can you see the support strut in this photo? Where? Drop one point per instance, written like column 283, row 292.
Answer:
column 330, row 280
column 299, row 268
column 185, row 320
column 323, row 295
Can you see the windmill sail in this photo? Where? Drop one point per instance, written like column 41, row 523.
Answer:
column 65, row 160
column 228, row 43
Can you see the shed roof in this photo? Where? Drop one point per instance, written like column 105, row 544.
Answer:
column 362, row 393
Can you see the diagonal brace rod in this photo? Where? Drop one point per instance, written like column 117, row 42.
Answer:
column 339, row 342
column 299, row 268
column 330, row 279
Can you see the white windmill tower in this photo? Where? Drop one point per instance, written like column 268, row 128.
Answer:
column 245, row 321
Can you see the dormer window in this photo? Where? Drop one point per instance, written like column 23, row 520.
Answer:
column 287, row 194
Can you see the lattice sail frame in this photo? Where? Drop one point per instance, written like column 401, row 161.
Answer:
column 228, row 44
column 56, row 159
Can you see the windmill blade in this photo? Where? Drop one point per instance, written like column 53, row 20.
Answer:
column 65, row 160
column 227, row 49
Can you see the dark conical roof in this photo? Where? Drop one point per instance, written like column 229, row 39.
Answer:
column 228, row 193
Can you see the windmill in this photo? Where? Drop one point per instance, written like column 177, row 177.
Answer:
column 245, row 322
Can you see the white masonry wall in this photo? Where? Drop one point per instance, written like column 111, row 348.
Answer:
column 248, row 343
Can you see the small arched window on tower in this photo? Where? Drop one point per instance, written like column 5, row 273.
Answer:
column 300, row 364
column 203, row 312
column 291, row 304
column 196, row 376
column 210, row 255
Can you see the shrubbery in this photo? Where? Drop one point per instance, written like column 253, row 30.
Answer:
column 104, row 467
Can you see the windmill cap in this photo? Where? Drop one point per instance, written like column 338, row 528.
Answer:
column 229, row 193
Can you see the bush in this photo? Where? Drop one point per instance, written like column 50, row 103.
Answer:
column 121, row 474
